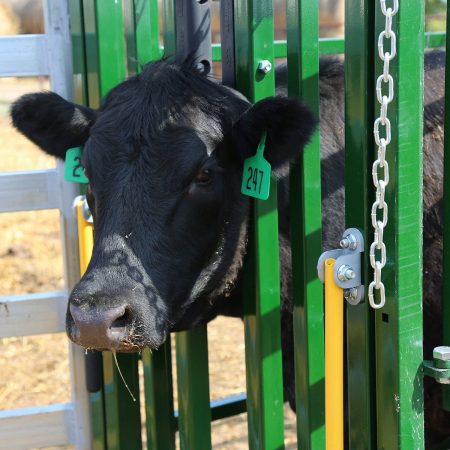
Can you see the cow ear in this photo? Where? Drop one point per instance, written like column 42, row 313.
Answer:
column 288, row 123
column 52, row 123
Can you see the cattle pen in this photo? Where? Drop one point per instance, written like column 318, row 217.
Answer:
column 89, row 47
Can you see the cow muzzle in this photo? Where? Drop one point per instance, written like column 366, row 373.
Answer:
column 105, row 329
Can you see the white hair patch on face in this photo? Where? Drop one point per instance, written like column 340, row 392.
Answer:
column 78, row 120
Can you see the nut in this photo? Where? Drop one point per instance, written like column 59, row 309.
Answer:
column 442, row 353
column 345, row 273
column 265, row 66
column 349, row 242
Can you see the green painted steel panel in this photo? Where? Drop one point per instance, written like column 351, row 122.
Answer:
column 160, row 422
column 254, row 42
column 123, row 418
column 434, row 40
column 170, row 39
column 306, row 230
column 97, row 401
column 78, row 51
column 104, row 26
column 90, row 37
column 399, row 324
column 334, row 46
column 147, row 31
column 111, row 44
column 194, row 419
column 130, row 37
column 359, row 194
column 446, row 206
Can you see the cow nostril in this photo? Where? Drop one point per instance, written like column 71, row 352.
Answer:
column 122, row 321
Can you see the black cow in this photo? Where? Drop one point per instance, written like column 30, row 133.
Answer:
column 164, row 157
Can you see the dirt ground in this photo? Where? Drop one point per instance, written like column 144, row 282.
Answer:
column 35, row 370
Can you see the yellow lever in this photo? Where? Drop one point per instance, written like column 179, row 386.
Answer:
column 334, row 360
column 85, row 238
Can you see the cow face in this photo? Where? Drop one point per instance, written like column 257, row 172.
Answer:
column 164, row 157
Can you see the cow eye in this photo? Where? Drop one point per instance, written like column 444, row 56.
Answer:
column 203, row 177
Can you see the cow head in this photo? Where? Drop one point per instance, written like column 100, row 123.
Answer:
column 164, row 157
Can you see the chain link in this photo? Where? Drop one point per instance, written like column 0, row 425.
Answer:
column 381, row 180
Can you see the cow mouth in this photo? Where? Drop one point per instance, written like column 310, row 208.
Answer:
column 122, row 340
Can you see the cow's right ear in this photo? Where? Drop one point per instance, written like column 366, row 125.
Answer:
column 52, row 123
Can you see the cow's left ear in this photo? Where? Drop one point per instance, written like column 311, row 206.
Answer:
column 288, row 123
column 51, row 122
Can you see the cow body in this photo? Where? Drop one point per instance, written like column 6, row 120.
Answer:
column 164, row 157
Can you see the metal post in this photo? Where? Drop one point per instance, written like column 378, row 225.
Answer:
column 398, row 325
column 254, row 36
column 446, row 208
column 306, row 230
column 227, row 42
column 359, row 107
column 193, row 32
column 56, row 16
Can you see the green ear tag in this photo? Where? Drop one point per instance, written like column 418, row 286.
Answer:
column 73, row 170
column 256, row 174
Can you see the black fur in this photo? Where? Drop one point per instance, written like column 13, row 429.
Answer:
column 51, row 122
column 171, row 247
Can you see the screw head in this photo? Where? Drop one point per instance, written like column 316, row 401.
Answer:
column 265, row 66
column 441, row 353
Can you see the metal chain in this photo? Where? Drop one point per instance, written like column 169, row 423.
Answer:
column 381, row 180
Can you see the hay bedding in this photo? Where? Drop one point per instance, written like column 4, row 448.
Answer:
column 35, row 369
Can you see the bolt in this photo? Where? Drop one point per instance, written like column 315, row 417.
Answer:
column 349, row 242
column 344, row 243
column 264, row 66
column 350, row 294
column 441, row 353
column 345, row 273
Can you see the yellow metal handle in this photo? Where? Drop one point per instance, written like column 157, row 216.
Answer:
column 334, row 360
column 85, row 238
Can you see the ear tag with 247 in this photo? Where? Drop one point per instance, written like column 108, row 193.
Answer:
column 256, row 174
column 73, row 170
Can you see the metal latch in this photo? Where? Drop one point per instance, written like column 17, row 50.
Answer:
column 86, row 211
column 439, row 368
column 347, row 269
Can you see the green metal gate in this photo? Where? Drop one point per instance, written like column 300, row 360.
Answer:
column 112, row 39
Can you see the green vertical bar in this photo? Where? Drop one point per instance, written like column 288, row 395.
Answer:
column 193, row 389
column 111, row 43
column 446, row 255
column 130, row 37
column 359, row 107
column 399, row 323
column 147, row 30
column 160, row 421
column 254, row 42
column 78, row 51
column 90, row 30
column 123, row 416
column 170, row 38
column 306, row 230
